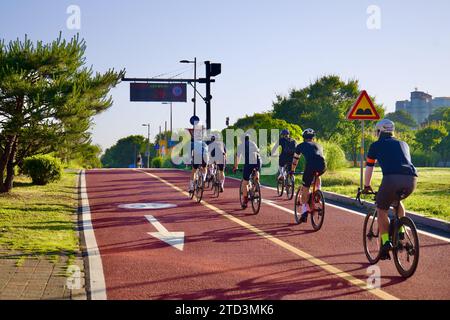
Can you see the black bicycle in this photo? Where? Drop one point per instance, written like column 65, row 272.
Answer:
column 405, row 245
column 286, row 182
column 199, row 186
column 254, row 192
column 316, row 202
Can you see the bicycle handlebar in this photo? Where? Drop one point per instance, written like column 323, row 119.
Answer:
column 360, row 192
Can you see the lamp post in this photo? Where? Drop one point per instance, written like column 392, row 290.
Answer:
column 148, row 143
column 195, row 82
column 170, row 114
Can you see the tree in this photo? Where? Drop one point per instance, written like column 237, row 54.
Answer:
column 47, row 99
column 403, row 118
column 430, row 136
column 124, row 152
column 440, row 115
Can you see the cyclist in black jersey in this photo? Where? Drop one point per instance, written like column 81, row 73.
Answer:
column 399, row 175
column 314, row 166
column 218, row 153
column 287, row 145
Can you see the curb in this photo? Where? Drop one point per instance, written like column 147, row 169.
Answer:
column 416, row 217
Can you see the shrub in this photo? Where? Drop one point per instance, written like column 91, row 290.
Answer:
column 42, row 169
column 334, row 155
column 157, row 162
column 425, row 159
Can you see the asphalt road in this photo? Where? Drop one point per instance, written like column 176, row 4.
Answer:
column 229, row 253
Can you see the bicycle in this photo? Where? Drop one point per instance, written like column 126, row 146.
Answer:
column 217, row 185
column 404, row 247
column 199, row 186
column 316, row 202
column 210, row 172
column 254, row 192
column 287, row 182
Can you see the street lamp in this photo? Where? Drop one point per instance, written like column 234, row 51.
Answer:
column 170, row 114
column 148, row 143
column 195, row 82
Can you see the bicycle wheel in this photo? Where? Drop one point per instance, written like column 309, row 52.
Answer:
column 256, row 197
column 192, row 192
column 199, row 189
column 406, row 251
column 241, row 196
column 290, row 186
column 216, row 188
column 297, row 206
column 280, row 187
column 371, row 237
column 318, row 214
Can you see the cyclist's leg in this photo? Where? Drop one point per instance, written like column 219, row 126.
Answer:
column 221, row 168
column 191, row 181
column 308, row 177
column 246, row 177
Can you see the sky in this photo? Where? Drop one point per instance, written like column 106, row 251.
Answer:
column 266, row 48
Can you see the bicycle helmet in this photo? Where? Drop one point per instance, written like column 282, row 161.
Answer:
column 385, row 125
column 285, row 132
column 308, row 133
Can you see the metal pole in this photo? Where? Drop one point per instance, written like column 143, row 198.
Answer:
column 195, row 86
column 148, row 147
column 208, row 95
column 362, row 155
column 171, row 117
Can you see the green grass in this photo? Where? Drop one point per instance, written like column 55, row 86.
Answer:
column 39, row 220
column 431, row 197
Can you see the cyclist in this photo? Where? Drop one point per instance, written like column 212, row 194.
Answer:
column 199, row 155
column 399, row 175
column 314, row 165
column 285, row 158
column 218, row 152
column 252, row 161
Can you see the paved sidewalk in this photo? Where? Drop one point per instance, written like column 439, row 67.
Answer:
column 36, row 278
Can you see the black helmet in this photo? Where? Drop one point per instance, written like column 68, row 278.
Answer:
column 308, row 133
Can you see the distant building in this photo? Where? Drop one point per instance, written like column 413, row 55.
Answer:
column 421, row 105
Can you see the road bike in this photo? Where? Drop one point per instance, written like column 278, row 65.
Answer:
column 316, row 202
column 199, row 186
column 254, row 192
column 405, row 245
column 210, row 173
column 286, row 182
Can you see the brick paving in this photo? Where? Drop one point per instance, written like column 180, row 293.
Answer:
column 38, row 277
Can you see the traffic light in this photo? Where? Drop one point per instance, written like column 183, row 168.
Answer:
column 215, row 69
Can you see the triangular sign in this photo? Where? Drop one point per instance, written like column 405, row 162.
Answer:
column 363, row 109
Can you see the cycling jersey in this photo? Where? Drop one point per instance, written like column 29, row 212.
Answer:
column 312, row 152
column 250, row 151
column 287, row 151
column 216, row 151
column 199, row 152
column 392, row 155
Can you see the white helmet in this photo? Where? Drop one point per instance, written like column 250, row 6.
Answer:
column 308, row 133
column 385, row 125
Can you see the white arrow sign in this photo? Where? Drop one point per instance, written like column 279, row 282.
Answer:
column 175, row 239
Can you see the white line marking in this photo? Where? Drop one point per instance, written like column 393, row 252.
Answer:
column 96, row 277
column 175, row 239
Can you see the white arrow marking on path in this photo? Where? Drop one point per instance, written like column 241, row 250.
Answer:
column 175, row 239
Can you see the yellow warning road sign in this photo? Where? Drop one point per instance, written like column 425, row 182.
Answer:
column 363, row 109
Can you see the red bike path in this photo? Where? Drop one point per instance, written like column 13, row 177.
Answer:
column 229, row 253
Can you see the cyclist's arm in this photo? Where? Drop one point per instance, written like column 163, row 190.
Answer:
column 370, row 163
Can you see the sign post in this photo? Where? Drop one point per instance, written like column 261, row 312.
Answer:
column 363, row 109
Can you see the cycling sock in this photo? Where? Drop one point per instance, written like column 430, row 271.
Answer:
column 305, row 208
column 402, row 229
column 384, row 237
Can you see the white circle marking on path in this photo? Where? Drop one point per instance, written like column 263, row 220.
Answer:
column 147, row 206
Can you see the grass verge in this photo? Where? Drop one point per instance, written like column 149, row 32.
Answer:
column 39, row 220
